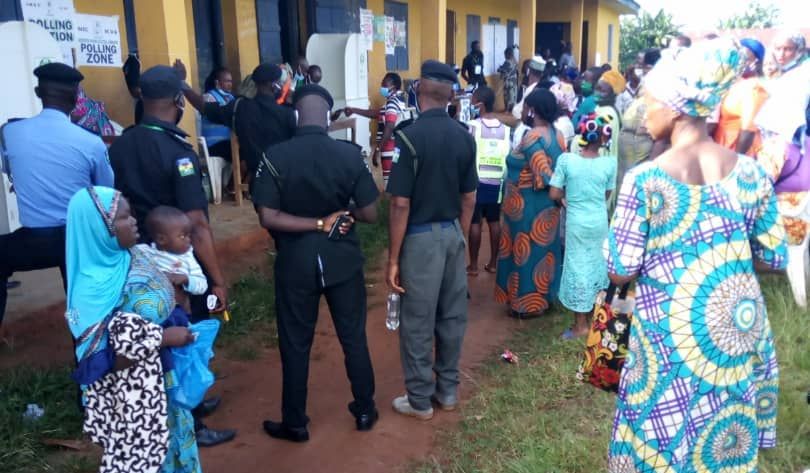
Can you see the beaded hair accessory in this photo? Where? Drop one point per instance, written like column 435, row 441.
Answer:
column 108, row 217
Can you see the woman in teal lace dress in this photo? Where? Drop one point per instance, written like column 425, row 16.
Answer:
column 584, row 182
column 529, row 255
column 117, row 300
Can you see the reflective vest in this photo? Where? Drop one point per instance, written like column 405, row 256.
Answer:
column 491, row 152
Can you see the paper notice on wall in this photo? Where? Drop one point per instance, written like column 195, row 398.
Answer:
column 401, row 29
column 366, row 28
column 379, row 29
column 390, row 37
column 57, row 17
column 99, row 41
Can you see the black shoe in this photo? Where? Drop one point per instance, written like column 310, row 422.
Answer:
column 278, row 430
column 365, row 422
column 207, row 407
column 209, row 437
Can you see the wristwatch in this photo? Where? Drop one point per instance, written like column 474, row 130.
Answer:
column 320, row 225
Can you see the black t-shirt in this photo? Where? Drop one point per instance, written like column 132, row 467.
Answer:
column 154, row 165
column 260, row 123
column 445, row 167
column 314, row 176
column 473, row 61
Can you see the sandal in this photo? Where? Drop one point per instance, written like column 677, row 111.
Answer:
column 490, row 269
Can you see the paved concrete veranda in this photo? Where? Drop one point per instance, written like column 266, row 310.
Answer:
column 234, row 228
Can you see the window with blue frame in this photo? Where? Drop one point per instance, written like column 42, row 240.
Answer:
column 335, row 16
column 399, row 60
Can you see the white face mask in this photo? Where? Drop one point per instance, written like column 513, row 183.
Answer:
column 328, row 119
column 639, row 72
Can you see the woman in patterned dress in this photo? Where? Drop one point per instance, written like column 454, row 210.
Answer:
column 529, row 257
column 117, row 299
column 699, row 388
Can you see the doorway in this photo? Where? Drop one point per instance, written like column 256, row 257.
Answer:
column 208, row 37
column 450, row 33
column 278, row 27
column 549, row 36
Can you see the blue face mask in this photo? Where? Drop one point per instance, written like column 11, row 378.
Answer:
column 475, row 112
column 385, row 92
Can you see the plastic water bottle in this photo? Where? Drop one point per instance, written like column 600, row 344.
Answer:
column 33, row 412
column 392, row 318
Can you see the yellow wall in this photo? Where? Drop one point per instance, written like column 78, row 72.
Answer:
column 241, row 36
column 608, row 16
column 107, row 83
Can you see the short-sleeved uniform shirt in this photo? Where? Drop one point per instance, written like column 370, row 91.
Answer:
column 155, row 165
column 313, row 176
column 51, row 159
column 443, row 169
column 259, row 123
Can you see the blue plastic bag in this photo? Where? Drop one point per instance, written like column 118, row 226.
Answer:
column 191, row 365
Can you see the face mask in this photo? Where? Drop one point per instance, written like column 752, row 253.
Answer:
column 475, row 111
column 639, row 72
column 385, row 92
column 587, row 89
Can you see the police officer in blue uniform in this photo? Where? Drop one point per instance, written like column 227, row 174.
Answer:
column 49, row 159
column 432, row 186
column 302, row 188
column 155, row 165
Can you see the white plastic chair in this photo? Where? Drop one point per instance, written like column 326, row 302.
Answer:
column 798, row 269
column 219, row 170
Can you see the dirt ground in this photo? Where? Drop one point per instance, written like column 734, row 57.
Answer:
column 251, row 390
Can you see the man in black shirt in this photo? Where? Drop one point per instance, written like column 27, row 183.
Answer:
column 154, row 165
column 259, row 122
column 472, row 68
column 302, row 191
column 432, row 186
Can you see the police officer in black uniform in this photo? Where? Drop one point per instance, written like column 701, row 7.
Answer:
column 302, row 193
column 259, row 122
column 154, row 165
column 432, row 186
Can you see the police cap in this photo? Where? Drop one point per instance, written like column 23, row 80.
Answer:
column 160, row 82
column 438, row 71
column 313, row 89
column 58, row 72
column 266, row 72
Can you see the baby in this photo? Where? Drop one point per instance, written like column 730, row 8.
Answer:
column 171, row 250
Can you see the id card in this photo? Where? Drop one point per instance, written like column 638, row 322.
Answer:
column 478, row 69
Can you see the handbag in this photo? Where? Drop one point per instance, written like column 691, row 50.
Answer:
column 606, row 346
column 795, row 175
column 191, row 365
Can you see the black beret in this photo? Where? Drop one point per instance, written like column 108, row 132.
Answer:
column 266, row 72
column 438, row 71
column 313, row 89
column 58, row 72
column 160, row 82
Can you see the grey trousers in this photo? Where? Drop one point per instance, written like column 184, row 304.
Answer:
column 434, row 310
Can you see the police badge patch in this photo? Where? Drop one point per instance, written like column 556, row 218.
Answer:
column 185, row 167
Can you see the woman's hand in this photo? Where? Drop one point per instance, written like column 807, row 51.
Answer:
column 177, row 337
column 177, row 279
column 329, row 221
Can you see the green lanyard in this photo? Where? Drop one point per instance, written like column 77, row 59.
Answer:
column 153, row 127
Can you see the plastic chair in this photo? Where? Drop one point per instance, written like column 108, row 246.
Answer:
column 219, row 170
column 798, row 268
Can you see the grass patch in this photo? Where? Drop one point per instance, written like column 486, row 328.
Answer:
column 21, row 448
column 535, row 417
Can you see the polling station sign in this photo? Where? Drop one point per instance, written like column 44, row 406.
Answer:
column 57, row 17
column 98, row 41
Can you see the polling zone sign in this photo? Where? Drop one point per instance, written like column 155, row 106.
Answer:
column 98, row 41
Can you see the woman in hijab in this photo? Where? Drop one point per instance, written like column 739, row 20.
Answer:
column 117, row 300
column 781, row 115
column 529, row 257
column 699, row 388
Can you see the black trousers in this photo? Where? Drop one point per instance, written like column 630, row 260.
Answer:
column 29, row 249
column 297, row 309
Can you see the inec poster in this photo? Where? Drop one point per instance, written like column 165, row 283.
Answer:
column 99, row 41
column 57, row 17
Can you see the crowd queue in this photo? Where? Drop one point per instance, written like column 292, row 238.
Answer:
column 704, row 148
